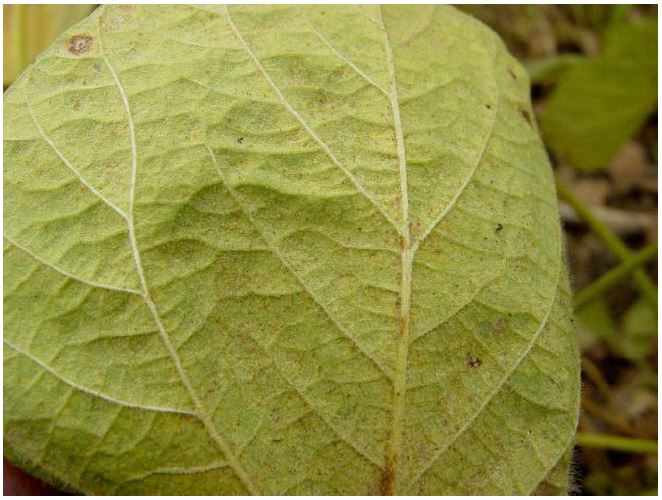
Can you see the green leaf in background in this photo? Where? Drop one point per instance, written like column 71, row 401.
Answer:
column 549, row 69
column 29, row 29
column 639, row 331
column 633, row 340
column 599, row 104
column 283, row 250
column 594, row 323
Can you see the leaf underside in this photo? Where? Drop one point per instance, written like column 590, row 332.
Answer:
column 283, row 250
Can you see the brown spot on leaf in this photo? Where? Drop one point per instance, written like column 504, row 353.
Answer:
column 473, row 361
column 512, row 74
column 79, row 44
column 498, row 228
column 525, row 114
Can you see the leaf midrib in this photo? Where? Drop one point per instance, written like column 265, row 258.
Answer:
column 394, row 448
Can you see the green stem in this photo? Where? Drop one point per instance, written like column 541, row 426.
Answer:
column 550, row 69
column 609, row 239
column 617, row 443
column 614, row 276
column 19, row 36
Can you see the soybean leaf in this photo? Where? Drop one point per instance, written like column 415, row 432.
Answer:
column 283, row 250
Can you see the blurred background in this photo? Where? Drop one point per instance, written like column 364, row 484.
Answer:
column 593, row 71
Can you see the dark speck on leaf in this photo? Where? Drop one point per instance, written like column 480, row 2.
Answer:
column 499, row 227
column 473, row 361
column 512, row 74
column 240, row 140
column 79, row 44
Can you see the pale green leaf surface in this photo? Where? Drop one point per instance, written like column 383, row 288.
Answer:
column 303, row 250
column 599, row 104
